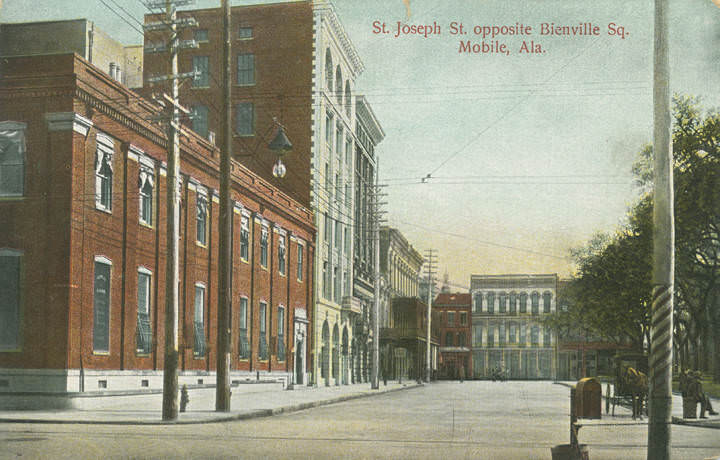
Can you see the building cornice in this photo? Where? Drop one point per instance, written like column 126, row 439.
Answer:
column 326, row 11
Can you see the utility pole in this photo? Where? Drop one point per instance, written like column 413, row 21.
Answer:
column 376, row 220
column 171, row 24
column 222, row 389
column 661, row 325
column 431, row 265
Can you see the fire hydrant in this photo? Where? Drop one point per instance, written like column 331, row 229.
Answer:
column 184, row 398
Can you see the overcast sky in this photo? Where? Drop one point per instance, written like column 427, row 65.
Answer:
column 529, row 154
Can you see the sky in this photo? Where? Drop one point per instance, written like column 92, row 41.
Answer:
column 529, row 154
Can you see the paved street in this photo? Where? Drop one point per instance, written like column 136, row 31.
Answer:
column 512, row 420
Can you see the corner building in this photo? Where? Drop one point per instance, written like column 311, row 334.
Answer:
column 82, row 245
column 507, row 329
column 294, row 64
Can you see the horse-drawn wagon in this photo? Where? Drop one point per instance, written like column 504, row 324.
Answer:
column 630, row 384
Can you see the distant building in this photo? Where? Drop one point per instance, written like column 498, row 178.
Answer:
column 122, row 63
column 507, row 329
column 403, row 343
column 455, row 325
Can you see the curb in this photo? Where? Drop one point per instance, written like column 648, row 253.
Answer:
column 219, row 419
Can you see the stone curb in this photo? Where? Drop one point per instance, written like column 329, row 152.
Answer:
column 215, row 419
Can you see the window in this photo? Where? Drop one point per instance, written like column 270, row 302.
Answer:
column 346, row 240
column 264, row 247
column 502, row 299
column 144, row 333
column 513, row 303
column 523, row 303
column 201, row 36
column 491, row 336
column 347, row 283
column 328, row 71
column 535, row 336
column 523, row 335
column 547, row 334
column 199, row 118
column 339, row 141
column 245, row 239
column 461, row 339
column 338, row 85
column 477, row 308
column 326, row 282
column 329, row 130
column 12, row 158
column 243, row 342
column 199, row 321
column 201, row 67
column 101, row 305
column 451, row 319
column 104, row 173
column 513, row 333
column 281, row 254
column 146, row 184
column 300, row 262
column 281, row 333
column 491, row 302
column 348, row 152
column 201, row 221
column 10, row 295
column 501, row 334
column 336, row 284
column 246, row 69
column 245, row 123
column 338, row 234
column 463, row 318
column 263, row 351
column 535, row 300
column 328, row 227
column 245, row 33
column 347, row 193
column 448, row 339
column 547, row 298
column 477, row 336
column 348, row 99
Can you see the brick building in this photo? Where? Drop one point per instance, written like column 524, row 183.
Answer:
column 82, row 244
column 508, row 332
column 294, row 64
column 455, row 316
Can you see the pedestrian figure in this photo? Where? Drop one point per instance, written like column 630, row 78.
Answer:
column 462, row 373
column 696, row 392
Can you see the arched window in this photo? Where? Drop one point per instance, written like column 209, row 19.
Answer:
column 477, row 308
column 535, row 299
column 523, row 303
column 547, row 298
column 348, row 99
column 491, row 302
column 338, row 85
column 328, row 71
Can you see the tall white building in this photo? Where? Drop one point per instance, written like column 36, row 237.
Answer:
column 508, row 333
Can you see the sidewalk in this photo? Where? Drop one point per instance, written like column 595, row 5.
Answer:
column 147, row 409
column 713, row 421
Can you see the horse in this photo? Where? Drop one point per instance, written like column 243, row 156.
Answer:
column 636, row 384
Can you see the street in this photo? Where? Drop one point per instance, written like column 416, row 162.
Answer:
column 481, row 419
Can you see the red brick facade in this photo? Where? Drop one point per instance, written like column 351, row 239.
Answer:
column 69, row 107
column 281, row 41
column 455, row 339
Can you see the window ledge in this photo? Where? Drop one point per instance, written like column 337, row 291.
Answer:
column 146, row 225
column 199, row 87
column 201, row 245
column 12, row 197
column 105, row 210
column 245, row 261
column 11, row 350
column 244, row 85
column 101, row 353
column 243, row 135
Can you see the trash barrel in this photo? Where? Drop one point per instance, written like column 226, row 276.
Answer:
column 569, row 452
column 588, row 398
